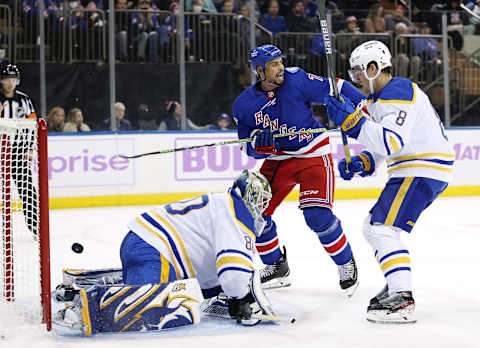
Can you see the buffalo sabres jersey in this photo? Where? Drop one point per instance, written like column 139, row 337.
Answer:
column 210, row 237
column 288, row 109
column 404, row 128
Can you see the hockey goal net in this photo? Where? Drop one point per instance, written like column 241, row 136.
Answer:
column 24, row 244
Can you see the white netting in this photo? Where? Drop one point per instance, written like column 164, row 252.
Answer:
column 20, row 289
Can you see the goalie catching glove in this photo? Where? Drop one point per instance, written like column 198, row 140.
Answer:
column 362, row 163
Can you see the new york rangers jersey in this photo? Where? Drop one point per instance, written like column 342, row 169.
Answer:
column 405, row 129
column 210, row 237
column 288, row 109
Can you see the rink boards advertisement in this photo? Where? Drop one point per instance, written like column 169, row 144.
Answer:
column 87, row 169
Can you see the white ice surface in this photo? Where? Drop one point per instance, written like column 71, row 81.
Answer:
column 444, row 248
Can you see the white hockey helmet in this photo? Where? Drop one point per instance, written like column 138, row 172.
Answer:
column 256, row 193
column 370, row 51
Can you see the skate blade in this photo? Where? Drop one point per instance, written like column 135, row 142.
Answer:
column 277, row 283
column 351, row 290
column 405, row 316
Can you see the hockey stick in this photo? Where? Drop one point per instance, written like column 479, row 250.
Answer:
column 330, row 71
column 228, row 142
column 221, row 311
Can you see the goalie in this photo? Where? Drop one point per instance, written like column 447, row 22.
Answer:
column 210, row 238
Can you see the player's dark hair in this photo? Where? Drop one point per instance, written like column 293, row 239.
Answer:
column 387, row 70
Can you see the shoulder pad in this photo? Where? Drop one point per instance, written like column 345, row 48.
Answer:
column 399, row 90
column 293, row 69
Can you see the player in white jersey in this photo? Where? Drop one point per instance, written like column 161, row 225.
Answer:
column 404, row 129
column 210, row 238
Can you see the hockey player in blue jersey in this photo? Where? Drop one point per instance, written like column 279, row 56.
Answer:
column 404, row 129
column 170, row 253
column 280, row 102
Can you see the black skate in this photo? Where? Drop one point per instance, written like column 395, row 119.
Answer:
column 276, row 275
column 348, row 277
column 381, row 295
column 396, row 308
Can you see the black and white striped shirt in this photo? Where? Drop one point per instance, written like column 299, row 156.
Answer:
column 20, row 106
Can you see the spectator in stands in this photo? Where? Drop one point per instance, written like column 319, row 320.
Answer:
column 456, row 15
column 205, row 6
column 227, row 7
column 145, row 117
column 405, row 57
column 222, row 122
column 398, row 16
column 297, row 21
column 310, row 8
column 428, row 50
column 121, row 124
column 375, row 21
column 146, row 29
column 272, row 20
column 174, row 118
column 347, row 41
column 122, row 29
column 171, row 26
column 56, row 119
column 75, row 122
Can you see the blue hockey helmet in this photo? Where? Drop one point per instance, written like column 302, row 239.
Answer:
column 263, row 54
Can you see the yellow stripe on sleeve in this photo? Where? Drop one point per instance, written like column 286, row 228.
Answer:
column 397, row 202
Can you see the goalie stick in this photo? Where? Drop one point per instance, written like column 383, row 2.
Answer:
column 219, row 311
column 228, row 142
column 330, row 71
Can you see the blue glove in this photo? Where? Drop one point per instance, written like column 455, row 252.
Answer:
column 264, row 142
column 362, row 163
column 345, row 115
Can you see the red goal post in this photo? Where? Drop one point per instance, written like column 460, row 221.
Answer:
column 24, row 244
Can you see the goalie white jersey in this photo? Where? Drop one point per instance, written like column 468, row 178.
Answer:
column 210, row 237
column 404, row 128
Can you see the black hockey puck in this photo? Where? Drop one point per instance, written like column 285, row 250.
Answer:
column 77, row 247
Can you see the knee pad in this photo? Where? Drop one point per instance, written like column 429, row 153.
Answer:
column 319, row 219
column 375, row 235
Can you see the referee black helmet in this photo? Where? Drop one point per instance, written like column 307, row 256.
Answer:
column 10, row 71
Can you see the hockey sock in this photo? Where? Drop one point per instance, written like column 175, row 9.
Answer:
column 267, row 243
column 392, row 255
column 330, row 233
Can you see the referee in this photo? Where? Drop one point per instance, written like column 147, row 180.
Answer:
column 16, row 104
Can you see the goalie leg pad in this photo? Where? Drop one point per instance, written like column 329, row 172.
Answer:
column 330, row 233
column 147, row 307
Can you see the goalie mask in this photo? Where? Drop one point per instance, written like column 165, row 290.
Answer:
column 256, row 193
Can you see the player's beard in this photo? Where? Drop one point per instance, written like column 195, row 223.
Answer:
column 278, row 80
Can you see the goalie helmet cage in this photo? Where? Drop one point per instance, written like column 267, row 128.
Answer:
column 24, row 244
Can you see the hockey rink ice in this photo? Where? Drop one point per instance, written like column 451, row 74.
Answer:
column 444, row 247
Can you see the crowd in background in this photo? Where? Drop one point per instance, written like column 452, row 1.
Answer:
column 144, row 120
